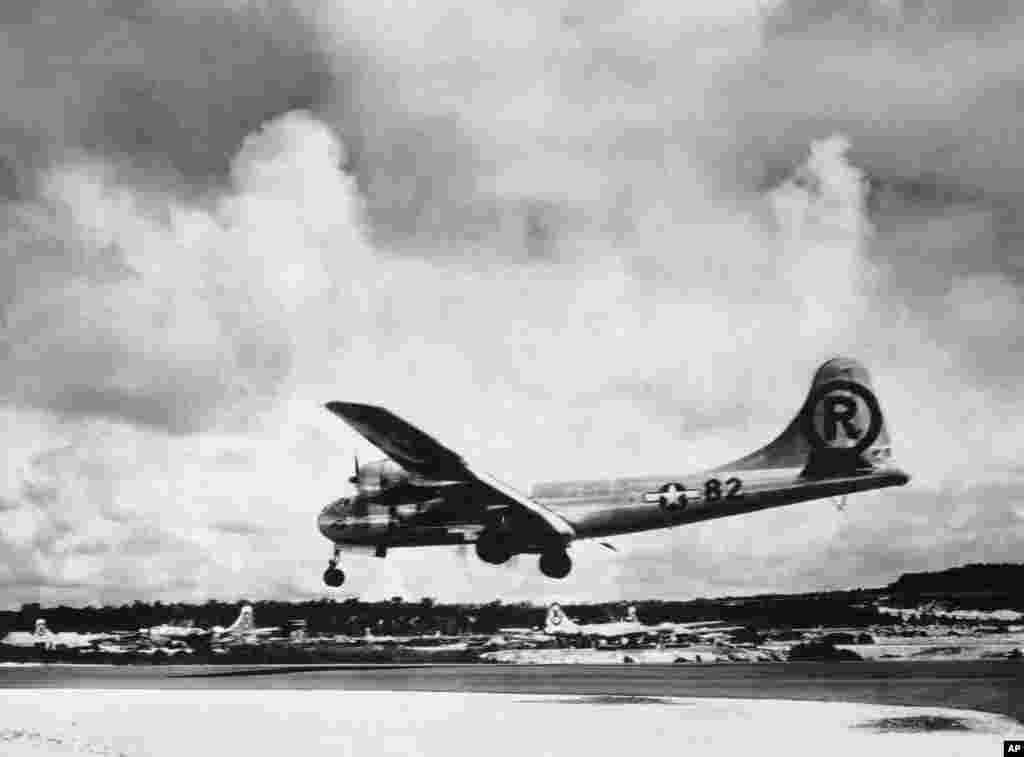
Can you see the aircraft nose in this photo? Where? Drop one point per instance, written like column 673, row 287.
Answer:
column 330, row 520
column 324, row 521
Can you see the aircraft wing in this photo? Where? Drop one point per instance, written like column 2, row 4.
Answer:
column 414, row 450
column 423, row 455
column 552, row 520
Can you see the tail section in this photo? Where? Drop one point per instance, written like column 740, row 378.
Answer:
column 243, row 623
column 558, row 622
column 839, row 431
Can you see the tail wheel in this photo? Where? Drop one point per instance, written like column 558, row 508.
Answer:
column 555, row 563
column 491, row 548
column 334, row 577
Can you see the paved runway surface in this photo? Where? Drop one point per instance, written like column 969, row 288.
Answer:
column 996, row 687
column 171, row 723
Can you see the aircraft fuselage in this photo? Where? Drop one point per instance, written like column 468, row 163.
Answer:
column 598, row 508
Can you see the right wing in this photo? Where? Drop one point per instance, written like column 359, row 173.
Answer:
column 423, row 455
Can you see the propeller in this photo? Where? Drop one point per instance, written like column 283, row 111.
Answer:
column 355, row 479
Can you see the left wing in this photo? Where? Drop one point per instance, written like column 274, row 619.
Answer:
column 423, row 455
column 414, row 450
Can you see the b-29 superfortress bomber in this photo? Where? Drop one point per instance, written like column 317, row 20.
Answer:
column 426, row 494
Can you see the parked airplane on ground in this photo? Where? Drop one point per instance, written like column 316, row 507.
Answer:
column 172, row 632
column 42, row 637
column 426, row 494
column 558, row 623
column 244, row 627
column 702, row 629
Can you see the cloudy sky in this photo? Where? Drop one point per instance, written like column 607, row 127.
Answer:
column 570, row 239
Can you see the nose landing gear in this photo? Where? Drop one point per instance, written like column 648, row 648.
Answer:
column 334, row 576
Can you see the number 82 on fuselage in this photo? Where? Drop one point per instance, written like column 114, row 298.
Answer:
column 675, row 496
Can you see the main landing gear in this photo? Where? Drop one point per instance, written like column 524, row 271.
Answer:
column 334, row 576
column 555, row 563
column 493, row 547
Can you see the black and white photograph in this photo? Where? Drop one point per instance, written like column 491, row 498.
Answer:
column 511, row 378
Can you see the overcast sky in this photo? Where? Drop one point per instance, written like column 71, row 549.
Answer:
column 569, row 239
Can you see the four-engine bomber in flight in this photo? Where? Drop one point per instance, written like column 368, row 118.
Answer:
column 426, row 494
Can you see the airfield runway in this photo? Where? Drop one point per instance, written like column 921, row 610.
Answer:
column 717, row 709
column 996, row 686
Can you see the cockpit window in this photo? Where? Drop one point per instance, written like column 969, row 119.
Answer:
column 339, row 506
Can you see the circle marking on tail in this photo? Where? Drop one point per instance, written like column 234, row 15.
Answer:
column 842, row 415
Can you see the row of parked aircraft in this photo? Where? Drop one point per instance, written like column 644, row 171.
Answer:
column 557, row 627
column 560, row 625
column 243, row 629
column 425, row 494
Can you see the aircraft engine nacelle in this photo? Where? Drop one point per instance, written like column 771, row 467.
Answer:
column 379, row 475
column 376, row 521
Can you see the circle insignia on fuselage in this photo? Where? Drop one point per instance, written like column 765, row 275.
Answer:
column 842, row 415
column 672, row 496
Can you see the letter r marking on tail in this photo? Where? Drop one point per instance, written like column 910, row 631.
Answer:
column 840, row 410
column 848, row 405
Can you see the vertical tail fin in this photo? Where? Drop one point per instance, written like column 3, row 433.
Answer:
column 840, row 430
column 558, row 622
column 243, row 623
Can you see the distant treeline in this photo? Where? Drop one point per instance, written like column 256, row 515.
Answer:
column 985, row 586
column 994, row 580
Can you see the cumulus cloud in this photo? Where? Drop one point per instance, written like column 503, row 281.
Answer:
column 569, row 240
column 176, row 88
column 150, row 310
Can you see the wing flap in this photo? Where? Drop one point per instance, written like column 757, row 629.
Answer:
column 555, row 522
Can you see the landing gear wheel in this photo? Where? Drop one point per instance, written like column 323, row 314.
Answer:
column 334, row 577
column 491, row 548
column 555, row 563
